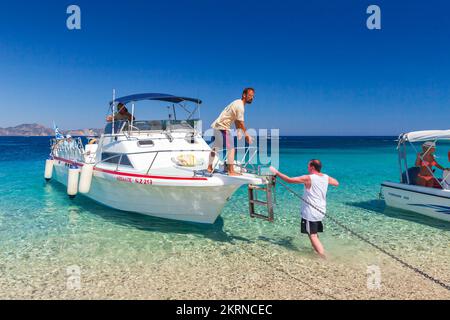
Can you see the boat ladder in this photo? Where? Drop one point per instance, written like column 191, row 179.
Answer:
column 270, row 199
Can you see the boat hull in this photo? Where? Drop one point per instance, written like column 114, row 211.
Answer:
column 183, row 200
column 430, row 202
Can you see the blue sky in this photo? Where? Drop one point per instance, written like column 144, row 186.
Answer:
column 316, row 68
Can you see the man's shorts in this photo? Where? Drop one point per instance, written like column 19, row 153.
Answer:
column 311, row 227
column 222, row 140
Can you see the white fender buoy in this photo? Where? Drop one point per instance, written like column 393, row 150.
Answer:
column 72, row 181
column 86, row 178
column 48, row 169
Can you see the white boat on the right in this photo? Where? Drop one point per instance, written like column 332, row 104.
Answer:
column 407, row 195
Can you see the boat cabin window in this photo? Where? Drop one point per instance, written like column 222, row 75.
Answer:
column 114, row 158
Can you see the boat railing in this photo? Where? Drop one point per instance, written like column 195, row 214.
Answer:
column 131, row 131
column 242, row 164
column 69, row 148
column 120, row 156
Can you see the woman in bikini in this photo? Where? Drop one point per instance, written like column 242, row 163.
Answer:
column 426, row 161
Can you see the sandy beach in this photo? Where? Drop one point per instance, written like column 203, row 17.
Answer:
column 236, row 271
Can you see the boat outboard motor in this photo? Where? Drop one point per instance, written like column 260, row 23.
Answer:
column 49, row 168
column 72, row 181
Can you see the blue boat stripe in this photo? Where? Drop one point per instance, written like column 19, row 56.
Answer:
column 416, row 191
column 437, row 208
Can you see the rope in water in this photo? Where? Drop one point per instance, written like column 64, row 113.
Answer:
column 368, row 241
column 280, row 269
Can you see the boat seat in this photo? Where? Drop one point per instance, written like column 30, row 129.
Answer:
column 413, row 172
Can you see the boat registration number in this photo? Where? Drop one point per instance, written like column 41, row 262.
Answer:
column 135, row 180
column 142, row 181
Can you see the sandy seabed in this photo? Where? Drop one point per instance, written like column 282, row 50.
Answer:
column 227, row 271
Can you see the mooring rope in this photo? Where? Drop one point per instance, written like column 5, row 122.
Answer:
column 368, row 241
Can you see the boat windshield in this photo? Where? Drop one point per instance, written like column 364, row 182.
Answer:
column 117, row 126
column 151, row 125
column 159, row 125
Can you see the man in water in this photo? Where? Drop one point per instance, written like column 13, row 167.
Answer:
column 121, row 114
column 233, row 113
column 314, row 205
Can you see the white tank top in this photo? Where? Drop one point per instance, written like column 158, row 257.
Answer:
column 317, row 196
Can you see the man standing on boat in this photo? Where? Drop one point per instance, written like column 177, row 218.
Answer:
column 223, row 140
column 314, row 200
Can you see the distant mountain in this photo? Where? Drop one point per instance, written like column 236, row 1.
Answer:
column 35, row 129
column 83, row 132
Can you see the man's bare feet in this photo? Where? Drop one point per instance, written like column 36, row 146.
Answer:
column 210, row 169
column 322, row 256
column 233, row 173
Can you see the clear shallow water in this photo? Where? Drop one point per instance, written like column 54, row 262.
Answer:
column 41, row 229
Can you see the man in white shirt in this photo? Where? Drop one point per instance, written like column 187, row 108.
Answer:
column 314, row 204
column 223, row 140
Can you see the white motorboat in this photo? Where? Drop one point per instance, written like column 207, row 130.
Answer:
column 406, row 195
column 153, row 167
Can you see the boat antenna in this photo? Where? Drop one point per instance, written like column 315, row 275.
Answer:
column 112, row 109
column 197, row 103
column 132, row 116
column 199, row 112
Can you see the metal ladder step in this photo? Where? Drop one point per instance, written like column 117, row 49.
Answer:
column 262, row 203
column 255, row 187
column 253, row 200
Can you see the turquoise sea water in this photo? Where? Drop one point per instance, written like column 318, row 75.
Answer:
column 41, row 227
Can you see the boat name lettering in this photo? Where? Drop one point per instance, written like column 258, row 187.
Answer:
column 124, row 179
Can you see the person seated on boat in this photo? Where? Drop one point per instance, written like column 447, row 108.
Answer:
column 121, row 114
column 426, row 161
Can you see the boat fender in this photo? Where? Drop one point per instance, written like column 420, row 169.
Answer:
column 48, row 168
column 72, row 181
column 86, row 178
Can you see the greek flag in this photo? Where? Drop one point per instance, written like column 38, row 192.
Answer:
column 58, row 135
